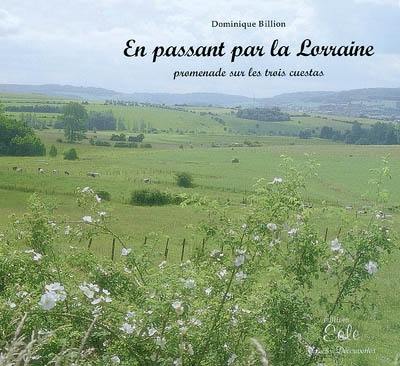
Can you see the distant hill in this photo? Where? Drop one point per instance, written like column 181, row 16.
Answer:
column 55, row 90
column 91, row 93
column 346, row 96
column 204, row 99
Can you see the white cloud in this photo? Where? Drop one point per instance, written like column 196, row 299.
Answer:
column 81, row 42
column 379, row 2
column 9, row 24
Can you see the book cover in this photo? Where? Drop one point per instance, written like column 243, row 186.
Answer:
column 199, row 182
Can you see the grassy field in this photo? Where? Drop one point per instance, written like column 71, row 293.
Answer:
column 342, row 181
column 342, row 177
column 196, row 120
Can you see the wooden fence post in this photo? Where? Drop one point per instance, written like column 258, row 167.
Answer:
column 90, row 243
column 113, row 249
column 183, row 249
column 326, row 234
column 166, row 249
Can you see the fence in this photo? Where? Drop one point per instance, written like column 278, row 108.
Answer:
column 184, row 245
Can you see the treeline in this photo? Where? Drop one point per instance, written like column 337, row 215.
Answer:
column 17, row 139
column 121, row 102
column 42, row 108
column 378, row 134
column 100, row 121
column 123, row 137
column 31, row 120
column 263, row 114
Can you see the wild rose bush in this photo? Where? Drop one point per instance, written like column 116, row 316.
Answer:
column 258, row 293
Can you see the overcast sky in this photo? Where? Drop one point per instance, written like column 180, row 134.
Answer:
column 80, row 42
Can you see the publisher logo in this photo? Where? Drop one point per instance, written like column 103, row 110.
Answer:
column 343, row 331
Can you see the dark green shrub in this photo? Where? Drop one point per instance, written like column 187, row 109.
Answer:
column 99, row 121
column 138, row 138
column 29, row 145
column 120, row 137
column 70, row 154
column 126, row 144
column 101, row 143
column 184, row 179
column 53, row 151
column 104, row 195
column 153, row 197
column 17, row 139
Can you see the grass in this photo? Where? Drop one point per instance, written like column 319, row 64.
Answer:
column 205, row 120
column 342, row 180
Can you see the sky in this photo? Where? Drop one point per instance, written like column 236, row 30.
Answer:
column 81, row 42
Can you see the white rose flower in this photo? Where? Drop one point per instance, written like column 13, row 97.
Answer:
column 239, row 260
column 189, row 283
column 127, row 328
column 160, row 342
column 371, row 267
column 240, row 276
column 48, row 301
column 37, row 257
column 336, row 246
column 11, row 304
column 125, row 251
column 178, row 306
column 222, row 273
column 87, row 219
column 115, row 360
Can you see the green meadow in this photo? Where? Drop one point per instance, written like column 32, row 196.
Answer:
column 197, row 143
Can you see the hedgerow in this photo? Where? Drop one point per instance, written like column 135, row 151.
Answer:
column 251, row 295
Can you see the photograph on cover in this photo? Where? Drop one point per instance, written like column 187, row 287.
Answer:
column 200, row 182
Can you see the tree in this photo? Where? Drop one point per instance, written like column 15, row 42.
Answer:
column 263, row 114
column 70, row 154
column 53, row 151
column 74, row 118
column 17, row 139
column 102, row 121
column 138, row 138
column 305, row 134
column 184, row 179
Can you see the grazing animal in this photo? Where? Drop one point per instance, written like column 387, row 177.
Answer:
column 41, row 170
column 18, row 170
column 15, row 168
column 92, row 174
column 66, row 172
column 147, row 180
